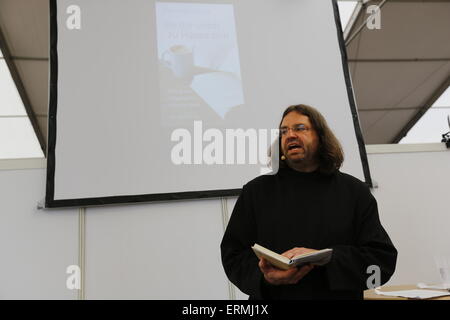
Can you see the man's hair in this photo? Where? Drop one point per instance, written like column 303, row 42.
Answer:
column 329, row 154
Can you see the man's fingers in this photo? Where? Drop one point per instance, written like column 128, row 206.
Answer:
column 303, row 271
column 263, row 264
column 290, row 253
column 277, row 276
column 290, row 276
column 297, row 251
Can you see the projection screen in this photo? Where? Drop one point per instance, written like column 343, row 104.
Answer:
column 164, row 100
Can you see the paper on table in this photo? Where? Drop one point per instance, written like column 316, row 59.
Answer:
column 422, row 285
column 414, row 294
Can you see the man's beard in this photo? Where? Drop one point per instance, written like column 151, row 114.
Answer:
column 304, row 161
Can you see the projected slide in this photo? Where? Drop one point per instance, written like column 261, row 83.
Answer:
column 168, row 100
column 199, row 68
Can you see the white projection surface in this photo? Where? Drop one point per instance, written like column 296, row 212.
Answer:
column 160, row 100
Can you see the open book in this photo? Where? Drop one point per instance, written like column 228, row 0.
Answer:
column 318, row 258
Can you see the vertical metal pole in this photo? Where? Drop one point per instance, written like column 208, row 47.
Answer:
column 225, row 218
column 81, row 250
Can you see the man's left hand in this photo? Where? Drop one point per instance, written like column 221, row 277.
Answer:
column 297, row 251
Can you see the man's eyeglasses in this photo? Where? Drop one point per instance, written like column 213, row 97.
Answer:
column 299, row 128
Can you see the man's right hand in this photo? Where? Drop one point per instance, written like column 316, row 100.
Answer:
column 277, row 276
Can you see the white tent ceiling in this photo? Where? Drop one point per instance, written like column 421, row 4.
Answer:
column 397, row 71
column 24, row 40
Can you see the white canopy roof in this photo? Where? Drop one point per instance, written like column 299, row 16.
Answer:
column 398, row 71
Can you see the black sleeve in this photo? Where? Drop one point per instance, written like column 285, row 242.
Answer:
column 239, row 261
column 372, row 246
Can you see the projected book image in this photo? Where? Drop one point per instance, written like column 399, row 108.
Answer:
column 199, row 67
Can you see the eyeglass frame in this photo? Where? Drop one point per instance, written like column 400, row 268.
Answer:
column 298, row 128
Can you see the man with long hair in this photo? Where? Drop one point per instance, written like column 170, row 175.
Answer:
column 306, row 206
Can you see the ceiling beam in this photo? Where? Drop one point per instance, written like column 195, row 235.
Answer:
column 351, row 22
column 402, row 60
column 404, row 131
column 30, row 58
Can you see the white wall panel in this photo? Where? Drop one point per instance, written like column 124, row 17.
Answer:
column 155, row 251
column 413, row 202
column 36, row 246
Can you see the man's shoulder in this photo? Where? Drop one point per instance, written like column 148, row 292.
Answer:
column 261, row 181
column 351, row 181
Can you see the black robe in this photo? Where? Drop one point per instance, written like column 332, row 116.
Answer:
column 311, row 210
